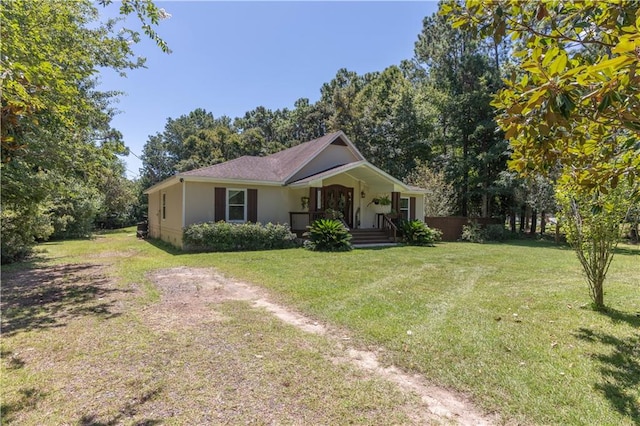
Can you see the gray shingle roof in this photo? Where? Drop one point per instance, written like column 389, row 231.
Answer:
column 272, row 168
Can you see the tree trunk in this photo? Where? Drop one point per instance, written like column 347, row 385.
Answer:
column 598, row 295
column 512, row 220
column 534, row 221
column 465, row 175
column 543, row 223
column 485, row 201
column 523, row 218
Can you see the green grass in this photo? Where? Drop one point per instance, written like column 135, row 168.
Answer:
column 508, row 324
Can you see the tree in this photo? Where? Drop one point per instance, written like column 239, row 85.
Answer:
column 55, row 129
column 592, row 226
column 462, row 77
column 391, row 135
column 574, row 107
column 440, row 199
column 576, row 101
column 338, row 96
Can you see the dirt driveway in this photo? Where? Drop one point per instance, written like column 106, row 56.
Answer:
column 77, row 348
column 189, row 296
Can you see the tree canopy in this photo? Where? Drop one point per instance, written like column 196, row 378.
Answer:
column 575, row 102
column 571, row 109
column 58, row 147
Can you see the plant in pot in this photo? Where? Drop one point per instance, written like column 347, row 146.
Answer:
column 382, row 204
column 304, row 203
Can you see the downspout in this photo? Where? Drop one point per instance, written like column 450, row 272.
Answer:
column 159, row 215
column 184, row 203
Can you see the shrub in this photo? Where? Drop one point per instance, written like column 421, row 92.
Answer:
column 223, row 236
column 496, row 232
column 20, row 230
column 473, row 232
column 328, row 235
column 417, row 233
column 476, row 233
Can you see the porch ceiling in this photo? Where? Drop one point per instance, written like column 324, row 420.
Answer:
column 370, row 176
column 361, row 170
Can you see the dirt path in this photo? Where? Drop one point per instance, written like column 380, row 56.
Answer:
column 187, row 295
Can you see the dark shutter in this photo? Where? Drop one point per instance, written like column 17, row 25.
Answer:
column 312, row 199
column 395, row 202
column 252, row 205
column 220, row 206
column 412, row 208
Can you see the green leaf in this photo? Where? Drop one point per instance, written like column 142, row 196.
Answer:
column 559, row 64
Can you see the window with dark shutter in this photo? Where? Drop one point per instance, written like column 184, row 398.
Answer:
column 236, row 205
column 404, row 208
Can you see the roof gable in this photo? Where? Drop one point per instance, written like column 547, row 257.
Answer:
column 338, row 151
column 283, row 166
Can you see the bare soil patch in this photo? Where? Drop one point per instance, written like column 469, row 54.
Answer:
column 189, row 298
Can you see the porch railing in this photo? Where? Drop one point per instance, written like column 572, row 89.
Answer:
column 300, row 220
column 389, row 227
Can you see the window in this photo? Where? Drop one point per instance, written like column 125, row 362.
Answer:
column 404, row 208
column 236, row 205
column 164, row 206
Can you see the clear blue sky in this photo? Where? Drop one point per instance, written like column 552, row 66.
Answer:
column 231, row 57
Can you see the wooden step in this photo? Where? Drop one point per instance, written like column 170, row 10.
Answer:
column 369, row 236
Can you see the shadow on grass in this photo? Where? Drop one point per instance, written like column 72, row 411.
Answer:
column 635, row 251
column 49, row 297
column 385, row 247
column 166, row 247
column 28, row 399
column 619, row 368
column 529, row 242
column 129, row 409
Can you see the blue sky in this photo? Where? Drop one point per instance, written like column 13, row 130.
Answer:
column 231, row 57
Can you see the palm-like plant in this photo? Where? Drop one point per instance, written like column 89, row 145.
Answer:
column 328, row 235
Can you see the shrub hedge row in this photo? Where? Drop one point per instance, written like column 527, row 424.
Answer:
column 224, row 236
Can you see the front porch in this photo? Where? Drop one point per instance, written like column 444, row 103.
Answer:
column 385, row 232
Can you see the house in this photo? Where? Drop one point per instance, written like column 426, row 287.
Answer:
column 293, row 186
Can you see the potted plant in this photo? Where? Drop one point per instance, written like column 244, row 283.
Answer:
column 304, row 203
column 382, row 204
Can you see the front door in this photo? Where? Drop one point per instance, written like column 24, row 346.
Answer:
column 340, row 198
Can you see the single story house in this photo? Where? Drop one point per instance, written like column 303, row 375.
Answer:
column 293, row 186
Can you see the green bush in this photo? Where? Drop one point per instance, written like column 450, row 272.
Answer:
column 417, row 233
column 328, row 235
column 474, row 233
column 496, row 232
column 223, row 236
column 20, row 231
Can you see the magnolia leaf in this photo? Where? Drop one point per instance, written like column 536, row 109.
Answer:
column 559, row 64
column 612, row 63
column 624, row 46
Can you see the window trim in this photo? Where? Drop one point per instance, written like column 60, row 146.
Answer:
column 408, row 209
column 164, row 206
column 228, row 205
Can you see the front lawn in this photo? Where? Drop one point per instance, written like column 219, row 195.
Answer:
column 508, row 324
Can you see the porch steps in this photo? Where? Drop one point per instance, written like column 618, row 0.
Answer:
column 362, row 237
